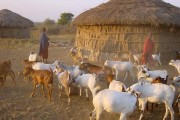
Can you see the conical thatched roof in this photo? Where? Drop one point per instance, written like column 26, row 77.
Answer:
column 131, row 12
column 11, row 19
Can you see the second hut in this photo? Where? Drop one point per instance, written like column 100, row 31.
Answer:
column 119, row 26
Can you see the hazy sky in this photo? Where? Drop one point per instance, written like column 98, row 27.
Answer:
column 39, row 10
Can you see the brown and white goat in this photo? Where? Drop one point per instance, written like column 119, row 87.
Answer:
column 64, row 80
column 156, row 80
column 43, row 77
column 104, row 73
column 5, row 70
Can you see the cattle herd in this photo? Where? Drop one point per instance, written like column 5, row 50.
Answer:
column 104, row 82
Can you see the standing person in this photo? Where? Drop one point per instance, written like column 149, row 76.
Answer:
column 44, row 44
column 148, row 50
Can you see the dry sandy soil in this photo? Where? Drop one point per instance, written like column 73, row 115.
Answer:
column 16, row 103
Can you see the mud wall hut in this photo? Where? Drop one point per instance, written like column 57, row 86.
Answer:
column 119, row 26
column 13, row 25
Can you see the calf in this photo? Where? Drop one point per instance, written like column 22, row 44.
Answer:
column 43, row 77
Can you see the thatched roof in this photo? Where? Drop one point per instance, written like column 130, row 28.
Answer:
column 131, row 12
column 11, row 19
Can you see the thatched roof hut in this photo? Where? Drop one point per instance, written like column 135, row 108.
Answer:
column 121, row 25
column 13, row 25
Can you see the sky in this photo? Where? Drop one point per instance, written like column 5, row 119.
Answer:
column 39, row 10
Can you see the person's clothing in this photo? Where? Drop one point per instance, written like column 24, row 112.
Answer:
column 147, row 51
column 43, row 50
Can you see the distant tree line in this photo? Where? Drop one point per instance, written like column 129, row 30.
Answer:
column 65, row 18
column 62, row 26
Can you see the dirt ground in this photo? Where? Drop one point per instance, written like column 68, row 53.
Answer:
column 16, row 103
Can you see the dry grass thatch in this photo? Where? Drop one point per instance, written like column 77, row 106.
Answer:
column 11, row 19
column 131, row 12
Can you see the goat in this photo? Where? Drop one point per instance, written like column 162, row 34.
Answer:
column 90, row 68
column 73, row 70
column 154, row 81
column 43, row 77
column 33, row 56
column 118, row 66
column 73, row 51
column 27, row 63
column 104, row 73
column 43, row 66
column 117, row 86
column 74, row 54
column 176, row 64
column 155, row 93
column 87, row 81
column 176, row 82
column 123, row 57
column 137, row 57
column 156, row 57
column 64, row 80
column 5, row 70
column 148, row 76
column 112, row 101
